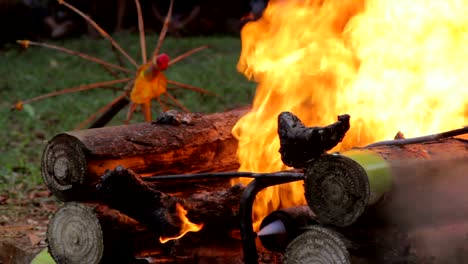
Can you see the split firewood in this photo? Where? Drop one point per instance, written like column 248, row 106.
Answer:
column 185, row 143
column 301, row 144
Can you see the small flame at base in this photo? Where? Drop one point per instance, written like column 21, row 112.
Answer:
column 186, row 227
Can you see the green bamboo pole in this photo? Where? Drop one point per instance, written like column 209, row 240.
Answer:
column 339, row 187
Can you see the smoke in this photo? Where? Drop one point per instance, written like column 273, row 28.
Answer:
column 429, row 204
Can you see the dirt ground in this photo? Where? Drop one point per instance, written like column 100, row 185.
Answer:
column 23, row 224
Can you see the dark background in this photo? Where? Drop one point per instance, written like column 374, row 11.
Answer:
column 47, row 19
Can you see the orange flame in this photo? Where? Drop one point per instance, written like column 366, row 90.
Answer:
column 392, row 65
column 187, row 226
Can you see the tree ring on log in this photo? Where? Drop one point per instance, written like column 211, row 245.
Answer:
column 317, row 245
column 337, row 189
column 75, row 235
column 64, row 166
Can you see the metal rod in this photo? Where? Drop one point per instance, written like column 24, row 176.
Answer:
column 245, row 212
column 400, row 142
column 293, row 174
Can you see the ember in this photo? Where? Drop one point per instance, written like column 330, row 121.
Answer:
column 391, row 65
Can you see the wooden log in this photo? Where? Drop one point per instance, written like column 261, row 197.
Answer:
column 72, row 162
column 92, row 233
column 95, row 233
column 317, row 245
column 339, row 187
column 124, row 190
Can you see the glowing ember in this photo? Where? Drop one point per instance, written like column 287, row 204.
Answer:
column 392, row 65
column 186, row 227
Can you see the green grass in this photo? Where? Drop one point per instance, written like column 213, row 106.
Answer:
column 35, row 71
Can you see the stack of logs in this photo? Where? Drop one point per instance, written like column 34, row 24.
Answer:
column 117, row 209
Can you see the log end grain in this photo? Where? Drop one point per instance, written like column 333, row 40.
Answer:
column 75, row 235
column 337, row 189
column 64, row 166
column 317, row 245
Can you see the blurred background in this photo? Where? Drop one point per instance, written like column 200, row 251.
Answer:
column 43, row 19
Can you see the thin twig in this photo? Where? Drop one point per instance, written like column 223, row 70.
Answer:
column 162, row 35
column 103, row 110
column 75, row 89
column 415, row 140
column 100, row 30
column 141, row 29
column 179, row 104
column 186, row 54
column 26, row 43
column 190, row 87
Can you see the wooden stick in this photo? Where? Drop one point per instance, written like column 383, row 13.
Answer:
column 186, row 54
column 26, row 43
column 163, row 32
column 81, row 88
column 141, row 30
column 101, row 31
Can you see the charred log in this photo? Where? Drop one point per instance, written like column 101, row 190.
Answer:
column 301, row 144
column 125, row 191
column 72, row 162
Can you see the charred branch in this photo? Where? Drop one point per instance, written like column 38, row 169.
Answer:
column 127, row 192
column 301, row 144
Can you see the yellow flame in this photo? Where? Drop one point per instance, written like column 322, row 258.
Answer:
column 186, row 227
column 392, row 65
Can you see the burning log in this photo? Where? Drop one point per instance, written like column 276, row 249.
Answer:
column 158, row 211
column 93, row 233
column 340, row 187
column 151, row 219
column 187, row 143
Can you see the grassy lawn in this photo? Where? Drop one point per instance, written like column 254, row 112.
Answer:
column 35, row 71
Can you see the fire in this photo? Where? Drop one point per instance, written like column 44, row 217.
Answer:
column 186, row 227
column 392, row 65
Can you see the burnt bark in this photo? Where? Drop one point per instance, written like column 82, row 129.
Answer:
column 126, row 191
column 301, row 144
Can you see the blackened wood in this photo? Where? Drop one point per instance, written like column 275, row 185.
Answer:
column 300, row 144
column 126, row 191
column 72, row 162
